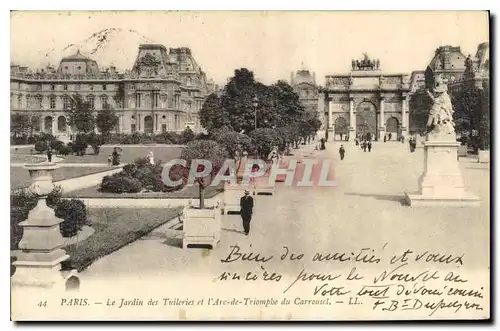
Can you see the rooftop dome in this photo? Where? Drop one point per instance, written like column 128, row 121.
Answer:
column 304, row 76
column 78, row 64
column 76, row 57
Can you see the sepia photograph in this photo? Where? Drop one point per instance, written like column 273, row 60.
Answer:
column 250, row 165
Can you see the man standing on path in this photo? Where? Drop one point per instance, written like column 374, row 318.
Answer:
column 369, row 146
column 341, row 152
column 246, row 205
column 49, row 154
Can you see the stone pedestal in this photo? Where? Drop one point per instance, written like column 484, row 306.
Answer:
column 352, row 133
column 39, row 262
column 381, row 133
column 441, row 183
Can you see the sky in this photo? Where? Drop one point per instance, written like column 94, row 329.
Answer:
column 272, row 44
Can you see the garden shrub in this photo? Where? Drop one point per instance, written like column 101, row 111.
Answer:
column 130, row 169
column 55, row 196
column 41, row 146
column 65, row 150
column 120, row 183
column 80, row 145
column 56, row 145
column 74, row 214
column 136, row 138
column 31, row 140
column 22, row 201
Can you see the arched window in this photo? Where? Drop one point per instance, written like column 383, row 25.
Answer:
column 148, row 124
column 61, row 124
column 35, row 123
column 48, row 124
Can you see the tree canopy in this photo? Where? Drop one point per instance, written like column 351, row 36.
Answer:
column 245, row 104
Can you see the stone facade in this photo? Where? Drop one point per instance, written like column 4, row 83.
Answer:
column 366, row 101
column 304, row 84
column 456, row 68
column 163, row 92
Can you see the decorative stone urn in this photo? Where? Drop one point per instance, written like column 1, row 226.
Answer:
column 201, row 226
column 39, row 260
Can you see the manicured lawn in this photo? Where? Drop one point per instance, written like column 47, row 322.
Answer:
column 128, row 154
column 188, row 192
column 115, row 228
column 21, row 177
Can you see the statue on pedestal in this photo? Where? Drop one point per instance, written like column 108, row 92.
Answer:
column 440, row 120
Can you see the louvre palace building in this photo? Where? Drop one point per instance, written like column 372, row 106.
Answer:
column 163, row 91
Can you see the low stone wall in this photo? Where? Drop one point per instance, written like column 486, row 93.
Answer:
column 146, row 203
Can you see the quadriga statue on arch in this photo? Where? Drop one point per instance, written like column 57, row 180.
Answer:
column 440, row 123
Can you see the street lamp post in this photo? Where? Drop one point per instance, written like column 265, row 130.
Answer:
column 255, row 104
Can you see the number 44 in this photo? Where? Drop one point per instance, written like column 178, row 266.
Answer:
column 42, row 304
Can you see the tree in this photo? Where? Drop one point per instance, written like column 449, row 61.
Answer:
column 81, row 115
column 20, row 124
column 483, row 118
column 264, row 140
column 467, row 105
column 287, row 104
column 187, row 135
column 235, row 145
column 106, row 121
column 212, row 115
column 246, row 104
column 238, row 100
column 205, row 150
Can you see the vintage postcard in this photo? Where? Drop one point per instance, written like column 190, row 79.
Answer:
column 250, row 166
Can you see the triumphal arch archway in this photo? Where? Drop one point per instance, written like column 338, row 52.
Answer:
column 367, row 98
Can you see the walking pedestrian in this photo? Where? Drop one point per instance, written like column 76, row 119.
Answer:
column 116, row 157
column 49, row 154
column 151, row 158
column 369, row 146
column 364, row 146
column 385, row 138
column 246, row 210
column 390, row 135
column 341, row 152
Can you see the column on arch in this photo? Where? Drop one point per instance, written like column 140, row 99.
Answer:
column 352, row 120
column 382, row 118
column 404, row 116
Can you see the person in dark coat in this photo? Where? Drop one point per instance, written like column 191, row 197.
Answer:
column 364, row 146
column 49, row 154
column 390, row 136
column 246, row 205
column 369, row 146
column 322, row 144
column 116, row 157
column 385, row 138
column 341, row 152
